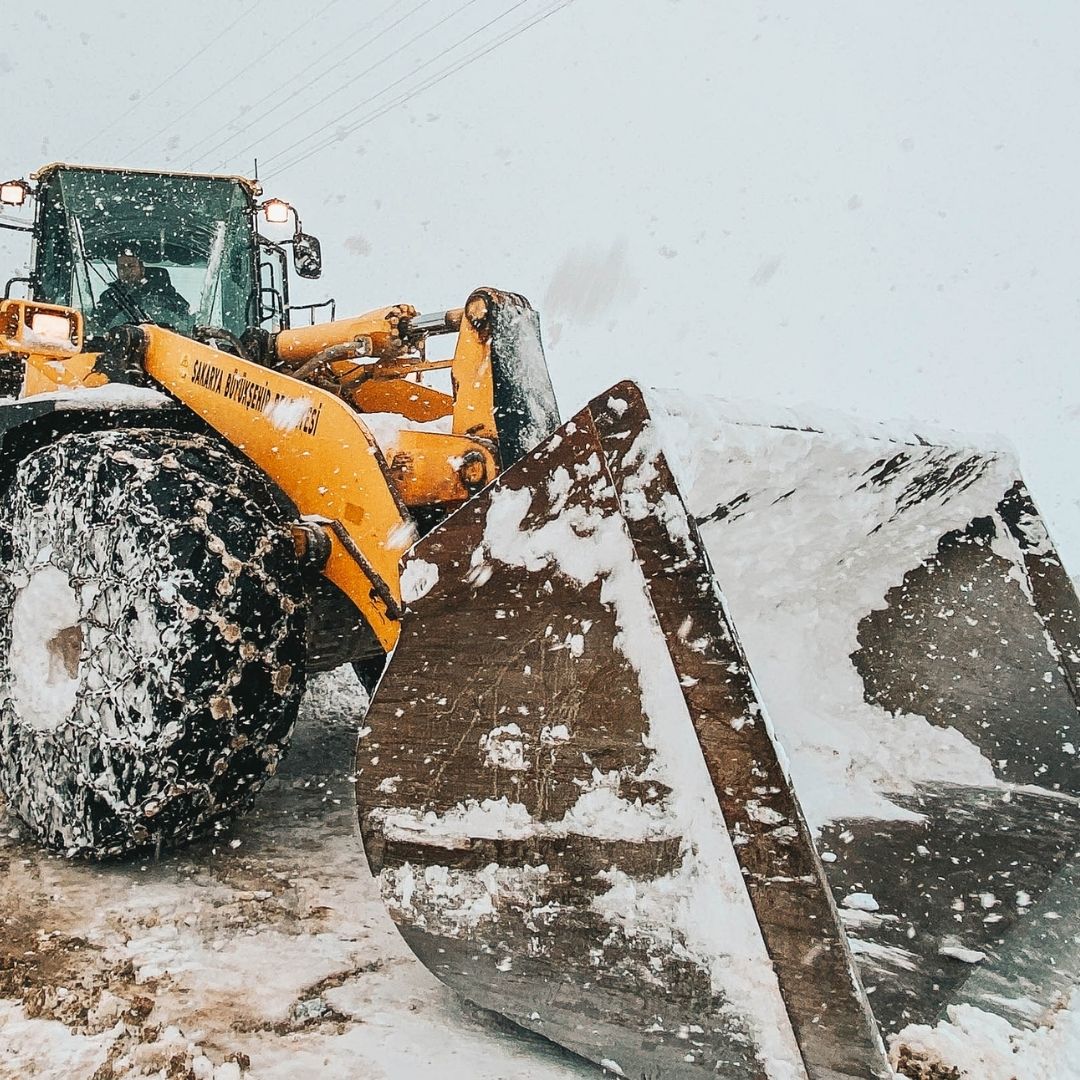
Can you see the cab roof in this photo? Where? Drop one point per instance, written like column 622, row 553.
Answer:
column 252, row 187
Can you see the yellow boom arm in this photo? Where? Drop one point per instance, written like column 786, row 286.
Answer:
column 315, row 448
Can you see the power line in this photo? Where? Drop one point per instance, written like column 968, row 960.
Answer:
column 282, row 91
column 285, row 124
column 168, row 78
column 476, row 54
column 434, row 80
column 173, row 121
column 401, row 78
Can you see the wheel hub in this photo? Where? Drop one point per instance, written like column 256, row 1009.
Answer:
column 46, row 649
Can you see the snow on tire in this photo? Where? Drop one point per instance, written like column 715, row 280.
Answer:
column 151, row 638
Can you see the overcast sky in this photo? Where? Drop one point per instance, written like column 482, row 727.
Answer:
column 870, row 206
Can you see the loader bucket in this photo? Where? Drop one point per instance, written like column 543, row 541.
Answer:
column 572, row 791
column 916, row 642
column 571, row 799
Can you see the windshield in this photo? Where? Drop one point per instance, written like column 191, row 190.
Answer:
column 130, row 247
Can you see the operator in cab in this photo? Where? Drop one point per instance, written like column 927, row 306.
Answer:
column 142, row 294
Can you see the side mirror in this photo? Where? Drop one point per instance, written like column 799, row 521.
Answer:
column 307, row 255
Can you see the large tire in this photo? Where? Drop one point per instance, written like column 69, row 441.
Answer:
column 11, row 375
column 151, row 639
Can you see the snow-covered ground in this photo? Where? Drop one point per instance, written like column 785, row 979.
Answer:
column 985, row 1047
column 265, row 953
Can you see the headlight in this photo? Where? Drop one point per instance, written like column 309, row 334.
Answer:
column 276, row 211
column 45, row 329
column 14, row 192
column 48, row 329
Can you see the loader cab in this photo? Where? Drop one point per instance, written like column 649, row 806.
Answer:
column 194, row 234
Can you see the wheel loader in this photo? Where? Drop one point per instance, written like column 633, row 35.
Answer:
column 746, row 755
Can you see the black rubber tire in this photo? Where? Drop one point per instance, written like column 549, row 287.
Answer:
column 11, row 375
column 184, row 662
column 369, row 671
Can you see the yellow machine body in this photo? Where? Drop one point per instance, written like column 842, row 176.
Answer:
column 356, row 443
column 49, row 340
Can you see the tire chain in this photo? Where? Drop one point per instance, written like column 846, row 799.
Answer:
column 192, row 660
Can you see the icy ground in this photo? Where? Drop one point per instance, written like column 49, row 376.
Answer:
column 267, row 954
column 263, row 953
